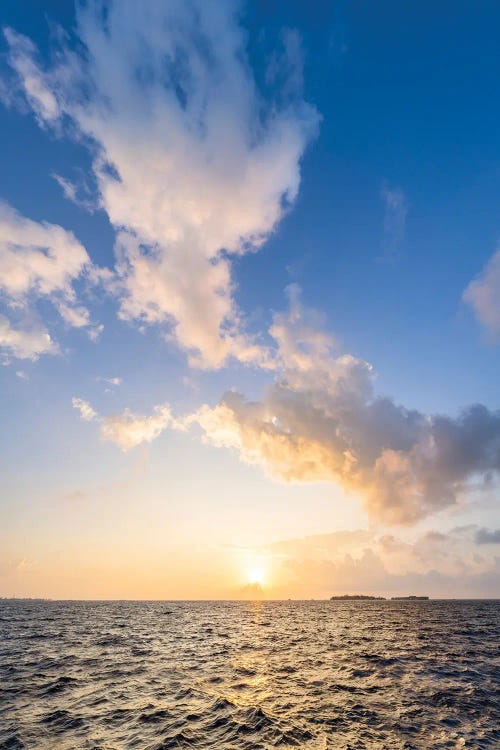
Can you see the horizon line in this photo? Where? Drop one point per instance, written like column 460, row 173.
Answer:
column 286, row 599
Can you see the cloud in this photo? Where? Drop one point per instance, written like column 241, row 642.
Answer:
column 22, row 57
column 395, row 214
column 26, row 565
column 369, row 575
column 128, row 430
column 286, row 66
column 488, row 536
column 321, row 420
column 73, row 192
column 86, row 411
column 24, row 343
column 109, row 381
column 252, row 591
column 193, row 165
column 68, row 188
column 39, row 260
column 483, row 295
column 75, row 496
column 434, row 563
column 95, row 332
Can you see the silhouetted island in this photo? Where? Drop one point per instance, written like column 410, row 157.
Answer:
column 399, row 598
column 355, row 596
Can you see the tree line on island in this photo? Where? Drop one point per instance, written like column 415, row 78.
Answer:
column 356, row 597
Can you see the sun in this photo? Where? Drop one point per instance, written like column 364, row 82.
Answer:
column 256, row 574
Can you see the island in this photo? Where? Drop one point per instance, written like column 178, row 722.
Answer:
column 409, row 598
column 350, row 597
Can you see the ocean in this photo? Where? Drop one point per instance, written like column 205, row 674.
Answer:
column 249, row 675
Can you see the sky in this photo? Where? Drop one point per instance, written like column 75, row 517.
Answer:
column 249, row 299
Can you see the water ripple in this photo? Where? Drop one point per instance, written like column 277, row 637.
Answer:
column 250, row 675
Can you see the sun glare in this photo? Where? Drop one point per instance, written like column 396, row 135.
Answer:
column 256, row 574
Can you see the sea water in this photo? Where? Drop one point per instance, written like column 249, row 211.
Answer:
column 157, row 675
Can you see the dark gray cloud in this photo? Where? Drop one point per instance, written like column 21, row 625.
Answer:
column 487, row 536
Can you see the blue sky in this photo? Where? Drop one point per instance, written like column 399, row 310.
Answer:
column 349, row 149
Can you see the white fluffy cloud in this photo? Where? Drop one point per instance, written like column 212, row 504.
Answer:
column 24, row 343
column 41, row 259
column 483, row 294
column 128, row 430
column 86, row 411
column 322, row 421
column 38, row 259
column 192, row 165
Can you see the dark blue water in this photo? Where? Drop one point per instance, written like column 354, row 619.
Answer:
column 156, row 675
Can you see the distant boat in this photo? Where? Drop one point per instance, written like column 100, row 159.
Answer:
column 412, row 598
column 344, row 597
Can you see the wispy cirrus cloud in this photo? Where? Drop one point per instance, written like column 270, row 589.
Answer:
column 395, row 215
column 192, row 165
column 109, row 381
column 79, row 194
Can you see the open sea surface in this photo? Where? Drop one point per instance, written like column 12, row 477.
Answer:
column 249, row 675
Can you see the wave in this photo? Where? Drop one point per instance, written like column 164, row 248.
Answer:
column 151, row 676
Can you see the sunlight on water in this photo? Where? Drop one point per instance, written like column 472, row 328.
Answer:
column 251, row 675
